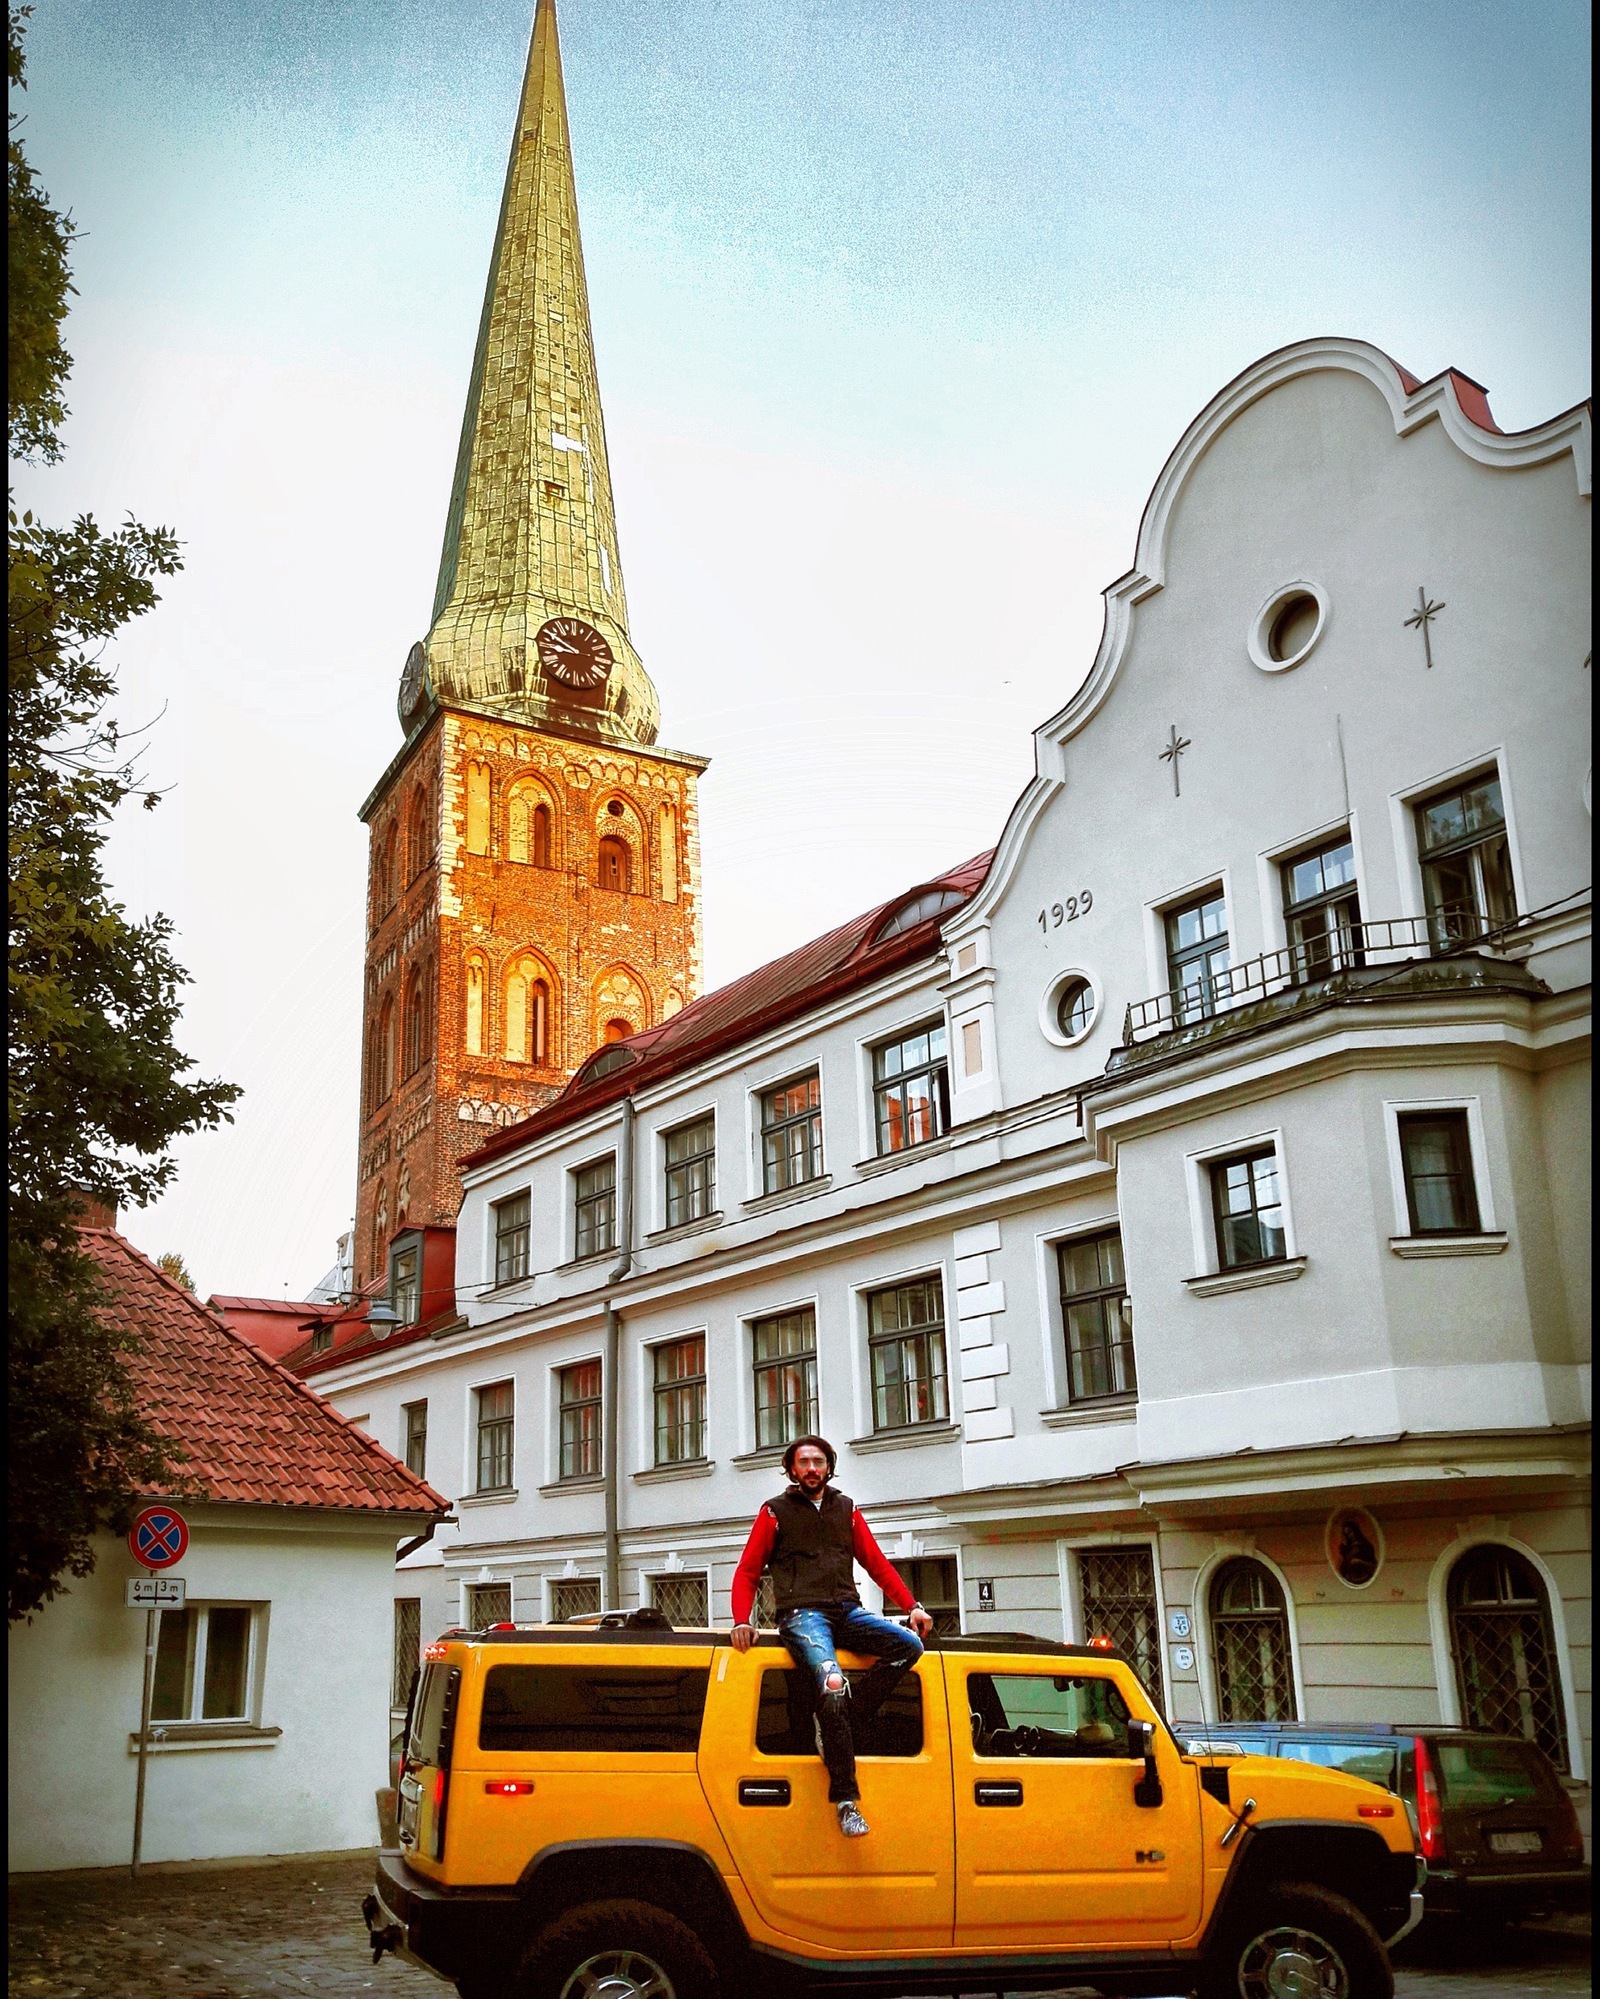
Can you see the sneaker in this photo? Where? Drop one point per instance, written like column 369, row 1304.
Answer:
column 851, row 1823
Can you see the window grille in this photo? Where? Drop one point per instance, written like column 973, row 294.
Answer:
column 934, row 1582
column 680, row 1392
column 1436, row 1155
column 1505, row 1653
column 1250, row 1644
column 1466, row 862
column 579, row 1400
column 416, row 1419
column 785, row 1366
column 488, row 1603
column 1197, row 957
column 574, row 1596
column 682, row 1599
column 595, row 1207
column 1096, row 1318
column 1322, row 911
column 1248, row 1209
column 765, row 1613
column 407, row 1647
column 496, row 1419
column 791, row 1134
column 1117, row 1590
column 691, row 1172
column 906, row 1340
column 511, row 1232
column 911, row 1089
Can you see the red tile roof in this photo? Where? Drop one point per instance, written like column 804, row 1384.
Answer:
column 853, row 955
column 252, row 1434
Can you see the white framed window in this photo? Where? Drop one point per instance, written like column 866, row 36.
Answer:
column 1497, row 881
column 208, row 1658
column 1409, row 1120
column 494, row 1434
column 1204, row 1168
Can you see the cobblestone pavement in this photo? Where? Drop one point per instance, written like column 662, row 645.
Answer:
column 261, row 1930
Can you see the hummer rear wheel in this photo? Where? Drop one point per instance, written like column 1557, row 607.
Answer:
column 617, row 1950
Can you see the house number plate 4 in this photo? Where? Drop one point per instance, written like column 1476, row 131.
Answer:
column 1068, row 911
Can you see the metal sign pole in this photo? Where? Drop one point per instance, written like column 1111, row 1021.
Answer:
column 144, row 1733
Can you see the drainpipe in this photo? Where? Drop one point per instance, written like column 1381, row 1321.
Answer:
column 611, row 1371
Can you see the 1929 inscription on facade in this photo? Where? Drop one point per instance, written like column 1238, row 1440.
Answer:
column 1066, row 912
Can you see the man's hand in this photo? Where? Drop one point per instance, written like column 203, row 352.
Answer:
column 744, row 1636
column 919, row 1620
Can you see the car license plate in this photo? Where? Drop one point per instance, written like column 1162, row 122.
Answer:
column 1516, row 1842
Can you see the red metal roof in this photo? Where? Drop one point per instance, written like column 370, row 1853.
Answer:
column 853, row 955
column 252, row 1434
column 298, row 1308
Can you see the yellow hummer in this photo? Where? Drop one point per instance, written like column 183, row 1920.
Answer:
column 642, row 1813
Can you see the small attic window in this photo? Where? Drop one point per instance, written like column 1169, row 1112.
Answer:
column 931, row 902
column 609, row 1061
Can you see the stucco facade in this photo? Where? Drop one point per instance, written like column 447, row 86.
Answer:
column 1366, row 1371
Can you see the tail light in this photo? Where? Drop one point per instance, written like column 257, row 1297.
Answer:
column 440, row 1779
column 1430, row 1815
column 1571, row 1832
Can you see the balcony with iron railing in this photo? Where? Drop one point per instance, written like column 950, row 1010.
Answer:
column 1352, row 960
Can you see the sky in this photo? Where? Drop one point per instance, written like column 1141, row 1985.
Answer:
column 899, row 306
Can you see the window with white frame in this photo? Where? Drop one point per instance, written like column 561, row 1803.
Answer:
column 204, row 1662
column 905, row 1341
column 1466, row 861
column 594, row 1205
column 911, row 1089
column 791, row 1134
column 416, row 1438
column 1096, row 1318
column 1436, row 1161
column 784, row 1360
column 496, row 1428
column 682, row 1599
column 578, row 1403
column 512, row 1219
column 691, row 1171
column 680, row 1400
column 574, row 1596
column 407, row 1647
column 1247, row 1207
column 488, row 1603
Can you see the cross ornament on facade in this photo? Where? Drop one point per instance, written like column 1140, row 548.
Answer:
column 1424, row 615
column 1176, row 745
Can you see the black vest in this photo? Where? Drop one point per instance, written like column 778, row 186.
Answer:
column 812, row 1562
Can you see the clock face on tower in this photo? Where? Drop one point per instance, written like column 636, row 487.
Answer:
column 573, row 653
column 412, row 680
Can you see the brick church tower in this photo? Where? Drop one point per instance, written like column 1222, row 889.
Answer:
column 534, row 870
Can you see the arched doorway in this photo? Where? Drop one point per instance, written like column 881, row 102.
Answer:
column 1503, row 1647
column 1250, row 1643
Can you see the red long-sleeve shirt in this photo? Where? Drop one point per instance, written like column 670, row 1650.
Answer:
column 763, row 1537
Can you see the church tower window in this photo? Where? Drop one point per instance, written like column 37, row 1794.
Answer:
column 476, row 993
column 383, row 1054
column 528, row 827
column 527, row 1013
column 478, row 797
column 669, row 854
column 616, row 869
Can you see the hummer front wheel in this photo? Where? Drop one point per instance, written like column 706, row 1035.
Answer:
column 1298, row 1942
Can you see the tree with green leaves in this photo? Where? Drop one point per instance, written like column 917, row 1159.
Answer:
column 96, row 1087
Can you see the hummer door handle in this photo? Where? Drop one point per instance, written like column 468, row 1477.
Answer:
column 763, row 1790
column 997, row 1794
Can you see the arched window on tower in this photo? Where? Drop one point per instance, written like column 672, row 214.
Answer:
column 1505, row 1650
column 528, row 827
column 541, row 836
column 478, row 803
column 419, row 833
column 527, row 1014
column 615, row 869
column 1250, row 1644
column 380, row 1231
column 417, row 1038
column 391, row 867
column 383, row 1068
column 616, row 1030
column 477, row 994
column 669, row 854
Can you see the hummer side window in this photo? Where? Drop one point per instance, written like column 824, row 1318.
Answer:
column 1042, row 1714
column 635, row 1709
column 784, row 1720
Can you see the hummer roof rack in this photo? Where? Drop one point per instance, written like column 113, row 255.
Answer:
column 619, row 1628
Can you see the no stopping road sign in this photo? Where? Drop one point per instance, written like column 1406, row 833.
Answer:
column 159, row 1537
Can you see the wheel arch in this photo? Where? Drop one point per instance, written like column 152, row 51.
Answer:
column 1351, row 1860
column 671, row 1874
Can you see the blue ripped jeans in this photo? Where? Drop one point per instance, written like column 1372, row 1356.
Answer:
column 814, row 1638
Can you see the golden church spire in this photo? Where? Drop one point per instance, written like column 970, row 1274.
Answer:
column 529, row 619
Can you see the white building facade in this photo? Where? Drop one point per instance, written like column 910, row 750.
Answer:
column 1184, row 1233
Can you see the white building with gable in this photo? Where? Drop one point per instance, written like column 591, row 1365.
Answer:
column 1179, row 1221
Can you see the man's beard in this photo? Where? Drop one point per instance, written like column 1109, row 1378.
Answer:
column 811, row 1483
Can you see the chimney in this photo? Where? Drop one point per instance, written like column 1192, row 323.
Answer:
column 95, row 1211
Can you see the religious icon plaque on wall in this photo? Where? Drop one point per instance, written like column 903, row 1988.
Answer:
column 1354, row 1542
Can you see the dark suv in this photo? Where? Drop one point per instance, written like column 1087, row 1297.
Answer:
column 1496, row 1830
